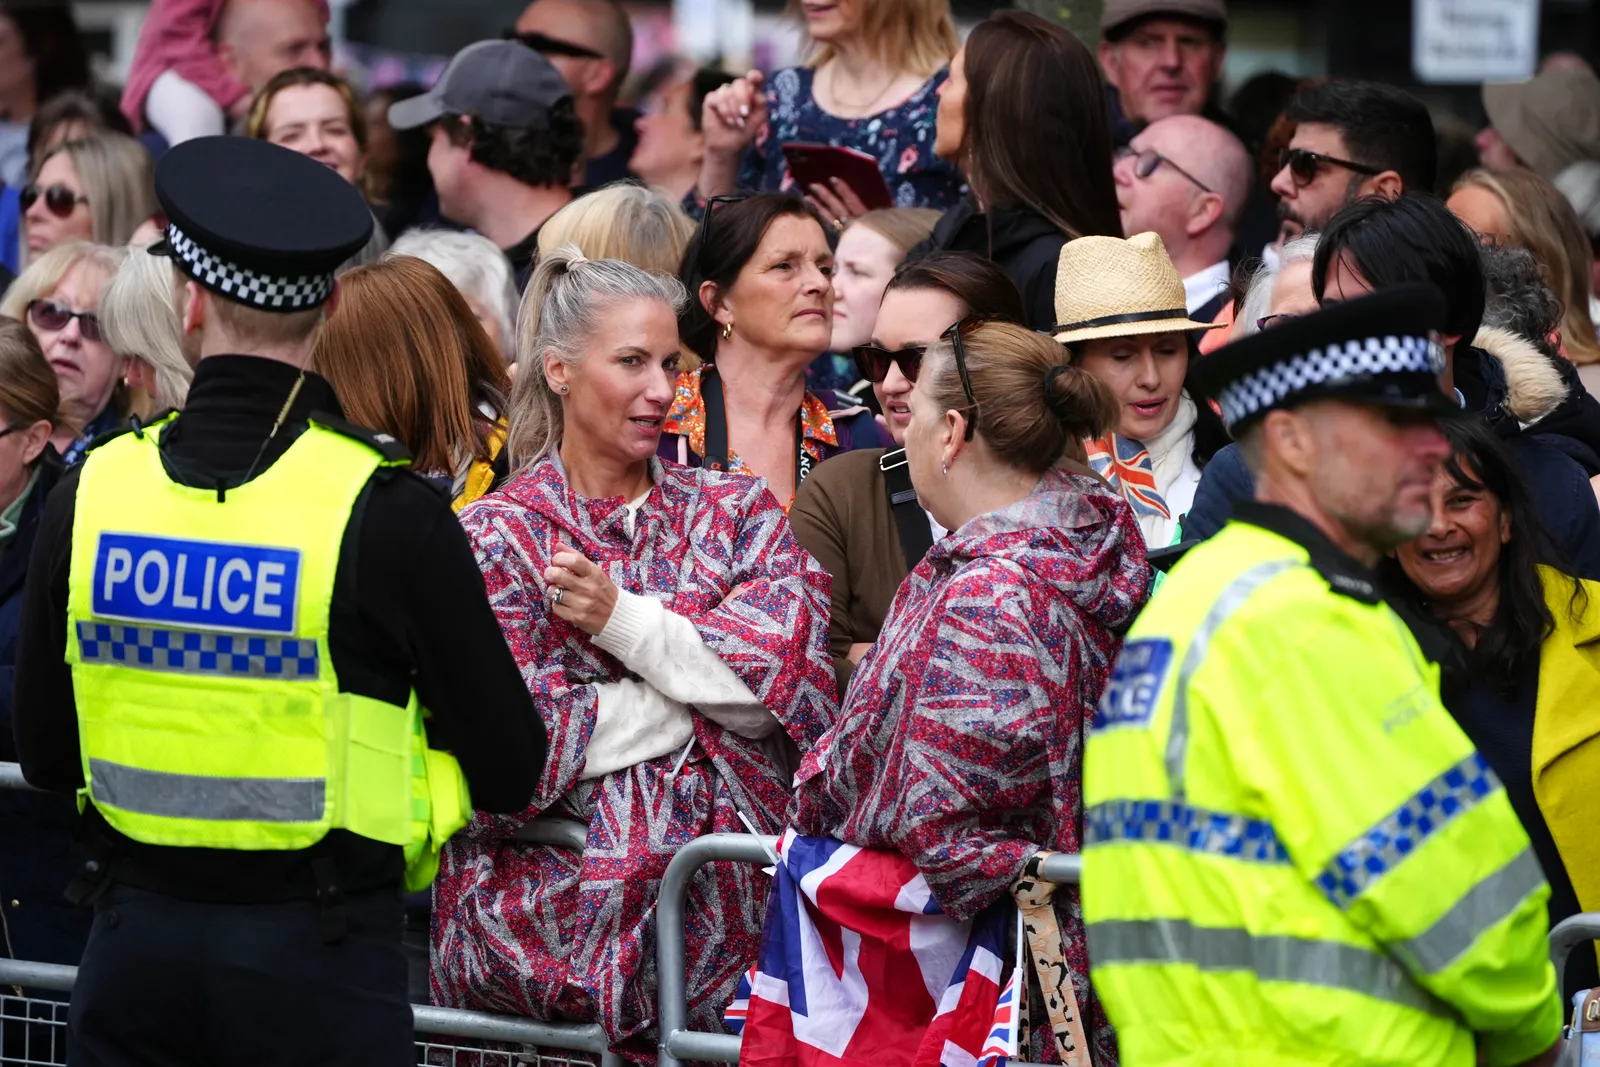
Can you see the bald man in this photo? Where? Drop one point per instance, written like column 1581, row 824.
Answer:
column 591, row 43
column 1187, row 179
column 258, row 39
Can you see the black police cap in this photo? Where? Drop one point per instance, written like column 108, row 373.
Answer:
column 1382, row 349
column 258, row 223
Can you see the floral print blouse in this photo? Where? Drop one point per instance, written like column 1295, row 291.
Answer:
column 901, row 139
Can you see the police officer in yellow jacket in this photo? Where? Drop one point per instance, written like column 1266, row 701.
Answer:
column 1292, row 854
column 259, row 650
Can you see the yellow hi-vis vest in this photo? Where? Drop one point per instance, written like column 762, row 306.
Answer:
column 209, row 713
column 1292, row 854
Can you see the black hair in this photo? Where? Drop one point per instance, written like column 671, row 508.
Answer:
column 979, row 283
column 1412, row 238
column 730, row 236
column 706, row 81
column 411, row 179
column 1256, row 105
column 1382, row 126
column 1510, row 644
column 1518, row 298
column 534, row 156
column 51, row 39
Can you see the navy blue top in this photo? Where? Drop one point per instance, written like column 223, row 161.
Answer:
column 901, row 139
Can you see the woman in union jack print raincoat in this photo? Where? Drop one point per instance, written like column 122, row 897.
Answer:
column 690, row 706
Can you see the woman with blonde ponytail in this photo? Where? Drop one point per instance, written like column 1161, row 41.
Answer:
column 675, row 635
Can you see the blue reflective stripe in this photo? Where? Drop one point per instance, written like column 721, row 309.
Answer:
column 197, row 652
column 1194, row 829
column 1382, row 848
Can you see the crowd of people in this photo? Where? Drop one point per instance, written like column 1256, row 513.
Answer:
column 971, row 510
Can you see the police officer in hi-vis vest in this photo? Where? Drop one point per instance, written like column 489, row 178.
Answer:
column 260, row 651
column 1292, row 854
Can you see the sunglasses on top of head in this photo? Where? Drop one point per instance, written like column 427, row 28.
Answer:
column 58, row 199
column 49, row 315
column 872, row 362
column 546, row 45
column 1303, row 164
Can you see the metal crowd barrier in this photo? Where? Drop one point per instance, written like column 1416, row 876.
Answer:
column 678, row 1043
column 32, row 1022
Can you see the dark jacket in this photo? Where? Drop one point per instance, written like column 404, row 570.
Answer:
column 1529, row 403
column 1024, row 243
column 35, row 828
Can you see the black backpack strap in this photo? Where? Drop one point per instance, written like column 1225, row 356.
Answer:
column 716, row 450
column 916, row 535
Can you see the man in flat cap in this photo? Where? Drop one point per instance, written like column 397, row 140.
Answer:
column 1292, row 853
column 1161, row 58
column 232, row 624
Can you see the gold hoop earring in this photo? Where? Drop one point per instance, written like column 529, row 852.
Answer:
column 727, row 329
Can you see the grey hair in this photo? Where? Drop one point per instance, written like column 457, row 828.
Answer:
column 476, row 268
column 1257, row 302
column 141, row 322
column 1580, row 184
column 1518, row 299
column 563, row 304
column 370, row 252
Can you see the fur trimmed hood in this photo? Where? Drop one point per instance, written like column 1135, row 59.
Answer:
column 1534, row 386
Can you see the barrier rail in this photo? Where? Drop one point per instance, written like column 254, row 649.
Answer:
column 428, row 1019
column 679, row 1043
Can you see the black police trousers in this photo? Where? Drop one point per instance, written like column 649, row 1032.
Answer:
column 180, row 983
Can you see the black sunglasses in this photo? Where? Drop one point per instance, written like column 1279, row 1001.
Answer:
column 872, row 362
column 49, row 315
column 553, row 46
column 1303, row 164
column 1146, row 162
column 953, row 335
column 57, row 198
column 712, row 203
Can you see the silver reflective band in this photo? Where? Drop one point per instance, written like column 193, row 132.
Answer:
column 1230, row 600
column 1271, row 958
column 192, row 796
column 1486, row 904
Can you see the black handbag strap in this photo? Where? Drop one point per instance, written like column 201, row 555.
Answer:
column 916, row 535
column 716, row 454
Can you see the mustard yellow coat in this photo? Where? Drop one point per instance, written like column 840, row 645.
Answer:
column 1566, row 734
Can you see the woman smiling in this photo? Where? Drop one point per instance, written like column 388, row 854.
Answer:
column 1520, row 644
column 674, row 633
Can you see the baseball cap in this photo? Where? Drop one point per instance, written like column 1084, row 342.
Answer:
column 504, row 83
column 1118, row 14
column 1550, row 122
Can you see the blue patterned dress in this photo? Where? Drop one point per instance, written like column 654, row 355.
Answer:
column 901, row 139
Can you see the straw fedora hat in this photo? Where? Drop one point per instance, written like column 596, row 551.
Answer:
column 1108, row 287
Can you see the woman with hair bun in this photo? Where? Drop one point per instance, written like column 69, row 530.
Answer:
column 959, row 747
column 674, row 633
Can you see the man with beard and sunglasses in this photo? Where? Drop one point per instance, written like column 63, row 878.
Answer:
column 1351, row 139
column 591, row 43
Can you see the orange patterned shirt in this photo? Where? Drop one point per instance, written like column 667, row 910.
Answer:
column 687, row 417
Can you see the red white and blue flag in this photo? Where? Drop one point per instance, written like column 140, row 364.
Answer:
column 1127, row 466
column 859, row 966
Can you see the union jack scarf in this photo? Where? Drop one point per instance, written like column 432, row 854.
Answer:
column 1126, row 465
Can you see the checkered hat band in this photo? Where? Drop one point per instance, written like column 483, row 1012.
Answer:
column 248, row 287
column 1364, row 358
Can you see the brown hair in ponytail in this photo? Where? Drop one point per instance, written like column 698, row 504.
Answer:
column 1031, row 403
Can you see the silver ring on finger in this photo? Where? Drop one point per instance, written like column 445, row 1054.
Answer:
column 555, row 597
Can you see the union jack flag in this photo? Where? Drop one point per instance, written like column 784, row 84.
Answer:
column 858, row 966
column 1126, row 464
